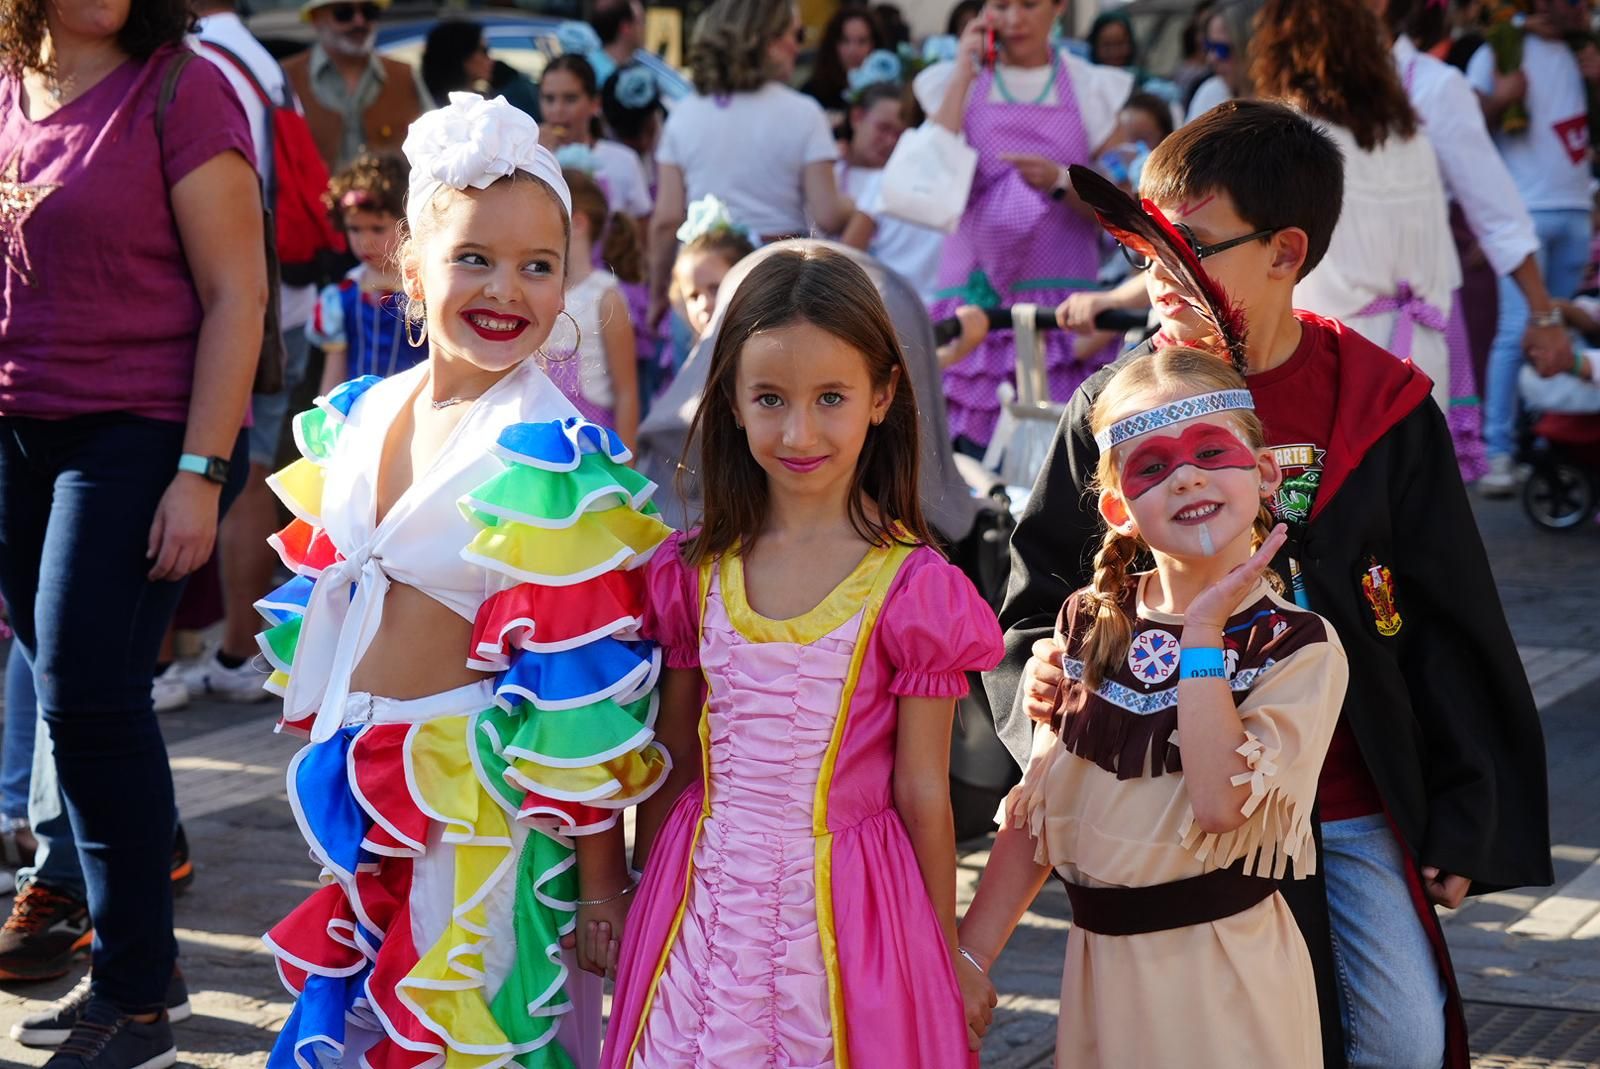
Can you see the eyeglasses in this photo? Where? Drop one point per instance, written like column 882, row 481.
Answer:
column 1219, row 50
column 1139, row 254
column 348, row 12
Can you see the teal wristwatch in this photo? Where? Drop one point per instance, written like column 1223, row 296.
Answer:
column 213, row 469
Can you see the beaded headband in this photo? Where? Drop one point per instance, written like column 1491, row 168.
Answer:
column 1155, row 419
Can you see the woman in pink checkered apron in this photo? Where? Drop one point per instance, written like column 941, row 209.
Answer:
column 1029, row 111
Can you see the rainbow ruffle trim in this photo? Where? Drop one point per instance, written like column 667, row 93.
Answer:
column 492, row 799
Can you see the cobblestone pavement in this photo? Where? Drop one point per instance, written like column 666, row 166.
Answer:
column 1529, row 960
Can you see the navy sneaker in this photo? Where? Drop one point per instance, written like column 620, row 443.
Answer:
column 107, row 1038
column 45, row 930
column 51, row 1027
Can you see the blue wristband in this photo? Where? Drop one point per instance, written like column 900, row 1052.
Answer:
column 1202, row 663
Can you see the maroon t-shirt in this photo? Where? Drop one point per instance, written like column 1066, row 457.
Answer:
column 1296, row 402
column 98, row 312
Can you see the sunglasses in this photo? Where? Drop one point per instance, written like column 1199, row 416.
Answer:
column 1219, row 50
column 345, row 13
column 799, row 35
column 1140, row 254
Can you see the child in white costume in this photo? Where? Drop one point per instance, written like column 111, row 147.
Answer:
column 478, row 703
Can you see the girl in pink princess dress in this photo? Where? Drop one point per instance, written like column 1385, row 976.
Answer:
column 798, row 906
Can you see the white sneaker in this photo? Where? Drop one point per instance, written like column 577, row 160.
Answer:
column 1500, row 480
column 208, row 676
column 168, row 693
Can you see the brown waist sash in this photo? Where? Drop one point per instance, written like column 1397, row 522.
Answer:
column 1164, row 906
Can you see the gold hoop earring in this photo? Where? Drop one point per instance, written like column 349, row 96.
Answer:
column 577, row 332
column 422, row 335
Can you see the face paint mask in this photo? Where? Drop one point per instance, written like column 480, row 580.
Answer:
column 1205, row 445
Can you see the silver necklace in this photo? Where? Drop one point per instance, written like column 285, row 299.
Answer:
column 447, row 402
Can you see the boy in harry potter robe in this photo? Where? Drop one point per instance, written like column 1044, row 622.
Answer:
column 1434, row 786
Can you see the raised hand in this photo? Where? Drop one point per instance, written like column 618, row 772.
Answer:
column 1042, row 679
column 1212, row 606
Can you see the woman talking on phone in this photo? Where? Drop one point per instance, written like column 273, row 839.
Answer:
column 1030, row 110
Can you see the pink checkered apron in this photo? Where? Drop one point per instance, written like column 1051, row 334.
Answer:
column 1015, row 244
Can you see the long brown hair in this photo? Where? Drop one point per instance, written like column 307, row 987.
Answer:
column 614, row 233
column 1331, row 59
column 827, row 290
column 1168, row 374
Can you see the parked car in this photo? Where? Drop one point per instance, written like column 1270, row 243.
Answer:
column 525, row 41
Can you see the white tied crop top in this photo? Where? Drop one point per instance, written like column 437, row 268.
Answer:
column 324, row 626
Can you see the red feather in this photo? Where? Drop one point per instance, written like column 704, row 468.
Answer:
column 1143, row 228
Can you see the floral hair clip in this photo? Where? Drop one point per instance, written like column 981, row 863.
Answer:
column 880, row 66
column 357, row 199
column 1155, row 419
column 636, row 88
column 708, row 215
column 578, row 157
column 940, row 48
column 578, row 37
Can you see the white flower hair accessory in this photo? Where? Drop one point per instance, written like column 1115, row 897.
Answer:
column 471, row 143
column 577, row 157
column 880, row 65
column 940, row 48
column 636, row 87
column 579, row 37
column 708, row 215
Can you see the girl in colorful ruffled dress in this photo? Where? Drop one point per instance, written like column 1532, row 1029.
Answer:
column 799, row 902
column 460, row 644
column 1174, row 787
column 594, row 360
column 360, row 321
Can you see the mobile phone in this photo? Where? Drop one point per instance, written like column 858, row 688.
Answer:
column 991, row 47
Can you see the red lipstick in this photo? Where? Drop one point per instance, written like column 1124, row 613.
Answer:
column 490, row 333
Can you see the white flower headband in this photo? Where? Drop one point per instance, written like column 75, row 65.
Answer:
column 1155, row 419
column 471, row 143
column 707, row 215
column 880, row 66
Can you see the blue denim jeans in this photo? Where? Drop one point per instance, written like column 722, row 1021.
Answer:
column 77, row 497
column 16, row 745
column 1391, row 996
column 1563, row 251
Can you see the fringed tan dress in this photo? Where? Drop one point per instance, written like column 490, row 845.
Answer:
column 1104, row 798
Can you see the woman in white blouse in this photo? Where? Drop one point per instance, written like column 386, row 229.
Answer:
column 745, row 137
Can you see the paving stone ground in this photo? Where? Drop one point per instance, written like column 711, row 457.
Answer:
column 1529, row 961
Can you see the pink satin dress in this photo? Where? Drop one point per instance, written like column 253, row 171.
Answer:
column 783, row 920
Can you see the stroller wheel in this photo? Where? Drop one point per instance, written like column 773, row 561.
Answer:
column 1559, row 496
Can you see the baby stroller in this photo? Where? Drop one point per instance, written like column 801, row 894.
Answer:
column 966, row 506
column 1560, row 443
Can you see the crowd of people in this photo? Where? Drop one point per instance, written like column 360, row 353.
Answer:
column 1250, row 661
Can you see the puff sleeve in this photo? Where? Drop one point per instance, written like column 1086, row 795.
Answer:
column 1288, row 719
column 672, row 605
column 936, row 629
column 326, row 329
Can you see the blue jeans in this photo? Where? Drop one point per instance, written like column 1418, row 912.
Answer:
column 16, row 745
column 77, row 497
column 270, row 411
column 1563, row 252
column 1391, row 996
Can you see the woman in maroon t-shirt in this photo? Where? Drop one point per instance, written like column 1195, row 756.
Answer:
column 132, row 287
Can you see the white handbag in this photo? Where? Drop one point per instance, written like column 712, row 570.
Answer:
column 929, row 177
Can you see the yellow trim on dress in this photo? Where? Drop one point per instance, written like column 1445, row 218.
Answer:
column 889, row 559
column 694, row 840
column 829, row 614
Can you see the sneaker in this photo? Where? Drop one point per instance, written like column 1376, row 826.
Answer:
column 1500, row 480
column 51, row 1027
column 182, row 864
column 209, row 676
column 45, row 930
column 106, row 1038
column 169, row 692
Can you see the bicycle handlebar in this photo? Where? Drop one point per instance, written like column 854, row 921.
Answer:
column 948, row 330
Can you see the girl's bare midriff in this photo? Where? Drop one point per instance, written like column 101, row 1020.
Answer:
column 420, row 649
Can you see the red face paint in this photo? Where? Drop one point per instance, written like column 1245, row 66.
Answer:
column 1205, row 445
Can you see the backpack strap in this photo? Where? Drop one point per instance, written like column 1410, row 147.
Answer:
column 169, row 89
column 243, row 68
column 268, row 165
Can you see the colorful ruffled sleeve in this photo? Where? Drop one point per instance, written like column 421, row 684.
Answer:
column 936, row 629
column 303, row 546
column 564, row 532
column 672, row 605
column 1288, row 719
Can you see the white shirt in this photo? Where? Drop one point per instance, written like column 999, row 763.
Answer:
column 295, row 303
column 1100, row 91
column 750, row 150
column 1213, row 91
column 1473, row 172
column 627, row 188
column 1549, row 160
column 909, row 250
column 1394, row 228
column 594, row 366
